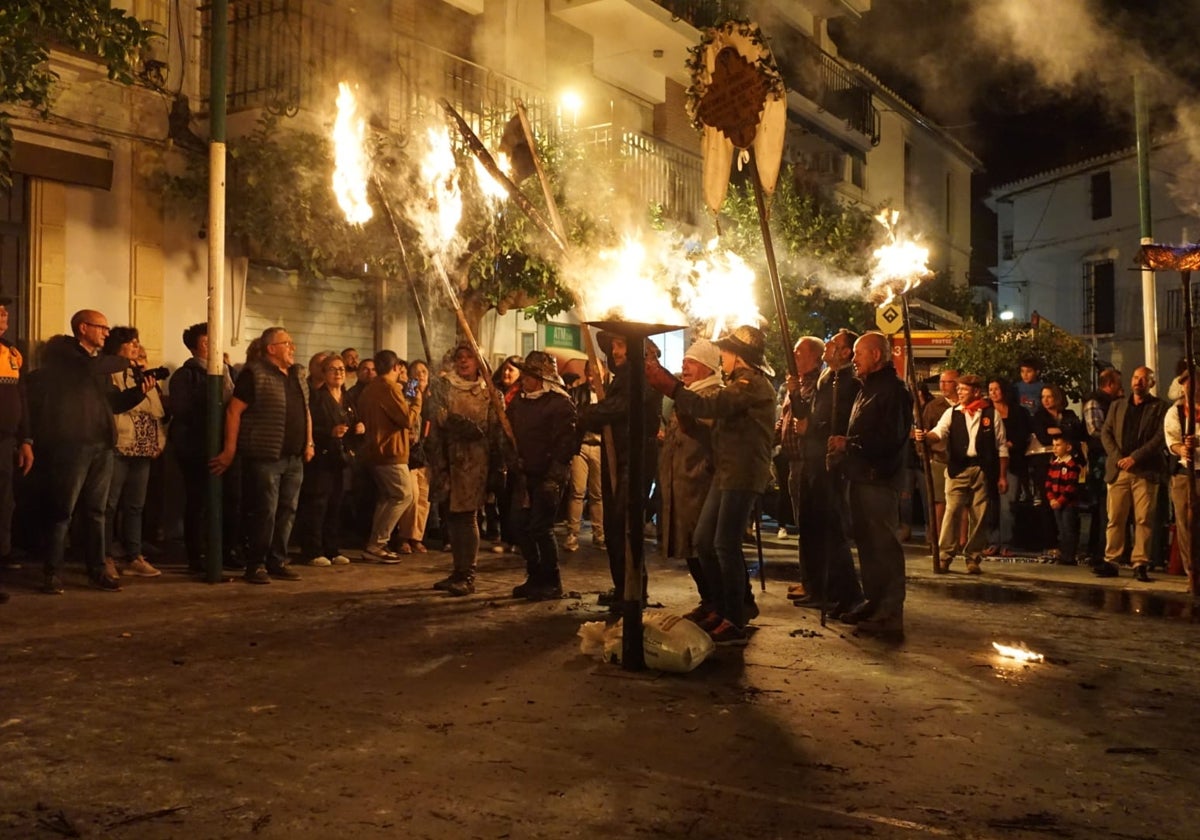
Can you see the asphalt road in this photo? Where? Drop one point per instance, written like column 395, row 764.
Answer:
column 360, row 703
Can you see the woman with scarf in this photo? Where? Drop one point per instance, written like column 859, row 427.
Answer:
column 743, row 436
column 685, row 468
column 463, row 445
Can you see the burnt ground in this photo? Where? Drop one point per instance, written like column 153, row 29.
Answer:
column 360, row 703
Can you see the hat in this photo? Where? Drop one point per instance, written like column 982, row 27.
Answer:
column 540, row 364
column 750, row 344
column 604, row 339
column 704, row 352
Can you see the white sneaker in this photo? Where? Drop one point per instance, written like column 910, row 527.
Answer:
column 571, row 543
column 380, row 554
column 498, row 548
column 782, row 535
column 320, row 561
column 340, row 560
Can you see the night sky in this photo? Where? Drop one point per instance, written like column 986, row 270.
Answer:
column 994, row 101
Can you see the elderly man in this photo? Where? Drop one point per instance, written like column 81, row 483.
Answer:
column 976, row 459
column 73, row 402
column 873, row 450
column 797, row 447
column 391, row 414
column 268, row 424
column 1136, row 466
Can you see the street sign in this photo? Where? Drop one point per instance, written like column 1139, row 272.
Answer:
column 889, row 318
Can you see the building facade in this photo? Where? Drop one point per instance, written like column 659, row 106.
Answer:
column 1069, row 239
column 90, row 230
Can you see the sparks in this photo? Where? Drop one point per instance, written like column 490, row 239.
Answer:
column 1020, row 653
column 351, row 165
column 718, row 289
column 899, row 265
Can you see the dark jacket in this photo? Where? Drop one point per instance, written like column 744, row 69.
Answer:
column 1147, row 448
column 987, row 454
column 877, row 434
column 330, row 452
column 1069, row 424
column 1018, row 426
column 261, row 433
column 14, row 406
column 613, row 411
column 744, row 433
column 546, row 435
column 72, row 396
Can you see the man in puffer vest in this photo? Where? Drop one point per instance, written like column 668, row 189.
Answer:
column 268, row 424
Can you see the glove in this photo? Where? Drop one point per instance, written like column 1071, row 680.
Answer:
column 659, row 379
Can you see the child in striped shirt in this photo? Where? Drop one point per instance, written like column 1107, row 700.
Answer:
column 1062, row 491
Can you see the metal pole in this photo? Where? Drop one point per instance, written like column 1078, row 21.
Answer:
column 918, row 420
column 216, row 282
column 1141, row 109
column 785, row 334
column 1189, row 431
column 633, row 656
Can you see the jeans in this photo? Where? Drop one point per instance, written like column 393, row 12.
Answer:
column 130, row 478
column 1067, row 520
column 77, row 475
column 875, row 515
column 535, row 529
column 1000, row 515
column 394, row 498
column 272, row 492
column 718, row 542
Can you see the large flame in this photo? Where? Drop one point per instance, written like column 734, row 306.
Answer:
column 718, row 290
column 625, row 282
column 493, row 191
column 899, row 265
column 1018, row 652
column 350, row 163
column 439, row 175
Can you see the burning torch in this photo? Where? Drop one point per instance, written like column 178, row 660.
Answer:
column 897, row 267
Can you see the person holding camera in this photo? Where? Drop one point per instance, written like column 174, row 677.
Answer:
column 141, row 436
column 390, row 409
column 336, row 433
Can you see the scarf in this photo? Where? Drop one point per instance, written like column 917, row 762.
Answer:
column 461, row 384
column 547, row 387
column 970, row 408
column 706, row 382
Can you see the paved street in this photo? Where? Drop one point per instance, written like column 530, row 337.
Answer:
column 360, row 703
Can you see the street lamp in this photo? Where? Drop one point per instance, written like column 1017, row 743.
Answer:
column 1007, row 315
column 571, row 103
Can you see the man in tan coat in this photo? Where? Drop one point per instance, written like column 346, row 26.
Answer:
column 390, row 410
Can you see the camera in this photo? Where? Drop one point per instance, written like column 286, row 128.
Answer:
column 159, row 374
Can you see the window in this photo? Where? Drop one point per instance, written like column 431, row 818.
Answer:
column 528, row 343
column 1099, row 298
column 1006, row 246
column 1101, row 195
column 858, row 172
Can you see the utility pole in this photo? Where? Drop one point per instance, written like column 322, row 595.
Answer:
column 1149, row 294
column 216, row 280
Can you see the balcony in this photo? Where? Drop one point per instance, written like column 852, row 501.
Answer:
column 654, row 172
column 842, row 101
column 704, row 13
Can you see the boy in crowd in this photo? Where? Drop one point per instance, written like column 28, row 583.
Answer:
column 1062, row 491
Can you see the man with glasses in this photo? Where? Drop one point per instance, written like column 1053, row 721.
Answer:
column 267, row 422
column 72, row 403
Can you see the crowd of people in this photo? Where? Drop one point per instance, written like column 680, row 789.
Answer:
column 392, row 456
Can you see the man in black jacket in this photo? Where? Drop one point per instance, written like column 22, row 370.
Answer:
column 72, row 403
column 873, row 449
column 543, row 422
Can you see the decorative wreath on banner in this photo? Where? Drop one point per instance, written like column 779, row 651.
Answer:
column 749, row 40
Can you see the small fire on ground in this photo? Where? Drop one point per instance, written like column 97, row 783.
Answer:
column 1018, row 652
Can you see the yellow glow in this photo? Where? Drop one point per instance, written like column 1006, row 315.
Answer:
column 899, row 265
column 439, row 174
column 350, row 163
column 572, row 104
column 1020, row 653
column 492, row 189
column 719, row 290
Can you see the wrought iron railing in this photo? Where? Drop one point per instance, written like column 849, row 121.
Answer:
column 821, row 78
column 704, row 13
column 654, row 172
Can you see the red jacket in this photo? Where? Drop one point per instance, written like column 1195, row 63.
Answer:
column 1062, row 481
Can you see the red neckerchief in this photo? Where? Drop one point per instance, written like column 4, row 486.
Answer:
column 971, row 407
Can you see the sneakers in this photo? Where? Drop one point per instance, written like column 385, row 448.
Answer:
column 1140, row 573
column 973, row 566
column 443, row 585
column 52, row 585
column 461, row 586
column 141, row 567
column 1105, row 570
column 418, row 547
column 796, row 592
column 320, row 560
column 258, row 576
column 782, row 535
column 500, row 548
column 571, row 543
column 381, row 554
column 522, row 590
column 283, row 572
column 550, row 591
column 728, row 634
column 110, row 568
column 340, row 560
column 105, row 583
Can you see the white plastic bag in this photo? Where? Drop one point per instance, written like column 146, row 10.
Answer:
column 669, row 642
